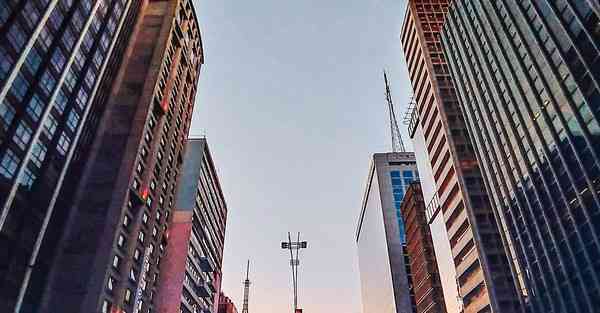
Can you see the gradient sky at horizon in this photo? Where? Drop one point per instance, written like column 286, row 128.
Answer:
column 291, row 99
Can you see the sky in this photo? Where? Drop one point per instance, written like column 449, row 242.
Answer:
column 291, row 100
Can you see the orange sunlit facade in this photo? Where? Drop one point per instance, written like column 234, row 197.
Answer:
column 483, row 272
column 429, row 297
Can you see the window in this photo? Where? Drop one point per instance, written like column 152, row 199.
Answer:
column 33, row 60
column 128, row 293
column 116, row 261
column 8, row 166
column 20, row 87
column 48, row 82
column 73, row 120
column 50, row 126
column 154, row 232
column 126, row 221
column 141, row 236
column 145, row 218
column 110, row 283
column 16, row 36
column 34, row 108
column 38, row 154
column 70, row 80
column 63, row 144
column 121, row 241
column 61, row 101
column 105, row 306
column 135, row 184
column 7, row 114
column 22, row 135
column 82, row 98
column 27, row 179
column 132, row 274
column 139, row 169
column 58, row 60
column 136, row 254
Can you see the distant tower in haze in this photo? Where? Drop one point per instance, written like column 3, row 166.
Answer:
column 246, row 289
column 397, row 144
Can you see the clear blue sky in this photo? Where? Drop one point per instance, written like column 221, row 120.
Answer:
column 291, row 98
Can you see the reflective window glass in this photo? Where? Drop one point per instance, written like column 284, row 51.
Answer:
column 34, row 108
column 20, row 87
column 48, row 82
column 22, row 135
column 63, row 144
column 7, row 114
column 8, row 165
column 16, row 36
column 38, row 153
column 33, row 60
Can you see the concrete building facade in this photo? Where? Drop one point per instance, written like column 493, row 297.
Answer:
column 190, row 275
column 483, row 270
column 429, row 297
column 527, row 76
column 386, row 285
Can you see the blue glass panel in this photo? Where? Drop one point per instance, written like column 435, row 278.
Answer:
column 398, row 196
column 397, row 181
column 407, row 174
column 395, row 173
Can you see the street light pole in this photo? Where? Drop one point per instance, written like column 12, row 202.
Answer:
column 294, row 248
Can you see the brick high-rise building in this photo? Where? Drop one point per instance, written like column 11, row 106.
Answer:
column 97, row 115
column 483, row 270
column 190, row 278
column 58, row 62
column 429, row 297
column 528, row 77
column 386, row 285
column 226, row 305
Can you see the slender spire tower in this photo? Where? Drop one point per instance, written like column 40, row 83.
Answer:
column 246, row 289
column 397, row 144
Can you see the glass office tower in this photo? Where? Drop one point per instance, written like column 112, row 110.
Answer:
column 95, row 104
column 482, row 269
column 527, row 74
column 386, row 285
column 57, row 59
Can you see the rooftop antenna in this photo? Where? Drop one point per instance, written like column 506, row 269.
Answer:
column 294, row 248
column 397, row 144
column 246, row 289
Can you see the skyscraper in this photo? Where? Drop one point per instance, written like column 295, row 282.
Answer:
column 429, row 297
column 103, row 243
column 482, row 268
column 190, row 275
column 386, row 285
column 226, row 305
column 527, row 75
column 58, row 60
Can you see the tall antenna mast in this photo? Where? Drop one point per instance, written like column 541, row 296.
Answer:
column 246, row 289
column 397, row 144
